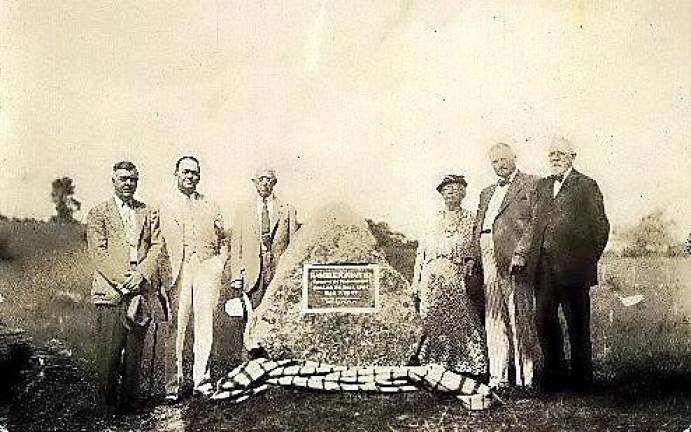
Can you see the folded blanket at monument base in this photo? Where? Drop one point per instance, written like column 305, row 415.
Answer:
column 257, row 375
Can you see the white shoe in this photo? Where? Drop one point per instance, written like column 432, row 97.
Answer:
column 204, row 389
column 497, row 384
column 171, row 398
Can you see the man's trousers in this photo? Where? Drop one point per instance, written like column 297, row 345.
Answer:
column 575, row 303
column 194, row 297
column 509, row 322
column 119, row 355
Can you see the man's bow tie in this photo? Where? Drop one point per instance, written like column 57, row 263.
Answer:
column 502, row 182
column 557, row 177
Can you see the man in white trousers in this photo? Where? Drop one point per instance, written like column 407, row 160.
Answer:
column 192, row 226
column 503, row 244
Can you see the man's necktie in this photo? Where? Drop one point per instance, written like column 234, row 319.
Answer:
column 265, row 225
column 130, row 235
column 127, row 219
column 502, row 182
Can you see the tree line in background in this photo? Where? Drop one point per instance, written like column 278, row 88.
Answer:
column 652, row 235
column 62, row 196
column 399, row 251
column 66, row 205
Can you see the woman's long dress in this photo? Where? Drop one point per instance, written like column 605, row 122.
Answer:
column 454, row 336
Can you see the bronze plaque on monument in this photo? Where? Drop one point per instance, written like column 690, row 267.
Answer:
column 350, row 288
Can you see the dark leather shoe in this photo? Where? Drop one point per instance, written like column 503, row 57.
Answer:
column 552, row 386
column 582, row 385
column 129, row 408
column 256, row 353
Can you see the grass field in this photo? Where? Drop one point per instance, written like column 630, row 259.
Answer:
column 642, row 353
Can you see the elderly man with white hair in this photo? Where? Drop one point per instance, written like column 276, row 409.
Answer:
column 571, row 231
column 261, row 232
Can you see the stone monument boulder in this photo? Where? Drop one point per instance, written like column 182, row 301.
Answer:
column 279, row 325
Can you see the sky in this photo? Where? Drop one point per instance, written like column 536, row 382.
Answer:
column 364, row 102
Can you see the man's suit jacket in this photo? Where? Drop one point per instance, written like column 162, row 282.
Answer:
column 109, row 251
column 572, row 229
column 171, row 214
column 245, row 238
column 512, row 229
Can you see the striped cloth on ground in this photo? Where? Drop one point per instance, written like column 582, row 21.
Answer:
column 257, row 375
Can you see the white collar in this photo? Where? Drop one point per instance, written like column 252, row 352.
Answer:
column 269, row 200
column 122, row 204
column 193, row 196
column 566, row 174
column 510, row 179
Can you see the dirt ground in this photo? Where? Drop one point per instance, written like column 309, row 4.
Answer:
column 63, row 398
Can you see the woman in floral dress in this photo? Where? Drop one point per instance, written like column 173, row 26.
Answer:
column 453, row 334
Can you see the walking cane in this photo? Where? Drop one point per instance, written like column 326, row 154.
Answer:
column 514, row 331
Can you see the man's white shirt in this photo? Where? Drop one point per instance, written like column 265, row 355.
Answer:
column 559, row 184
column 127, row 217
column 495, row 202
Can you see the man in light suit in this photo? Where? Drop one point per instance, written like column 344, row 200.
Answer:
column 503, row 243
column 261, row 232
column 124, row 244
column 192, row 227
column 573, row 230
